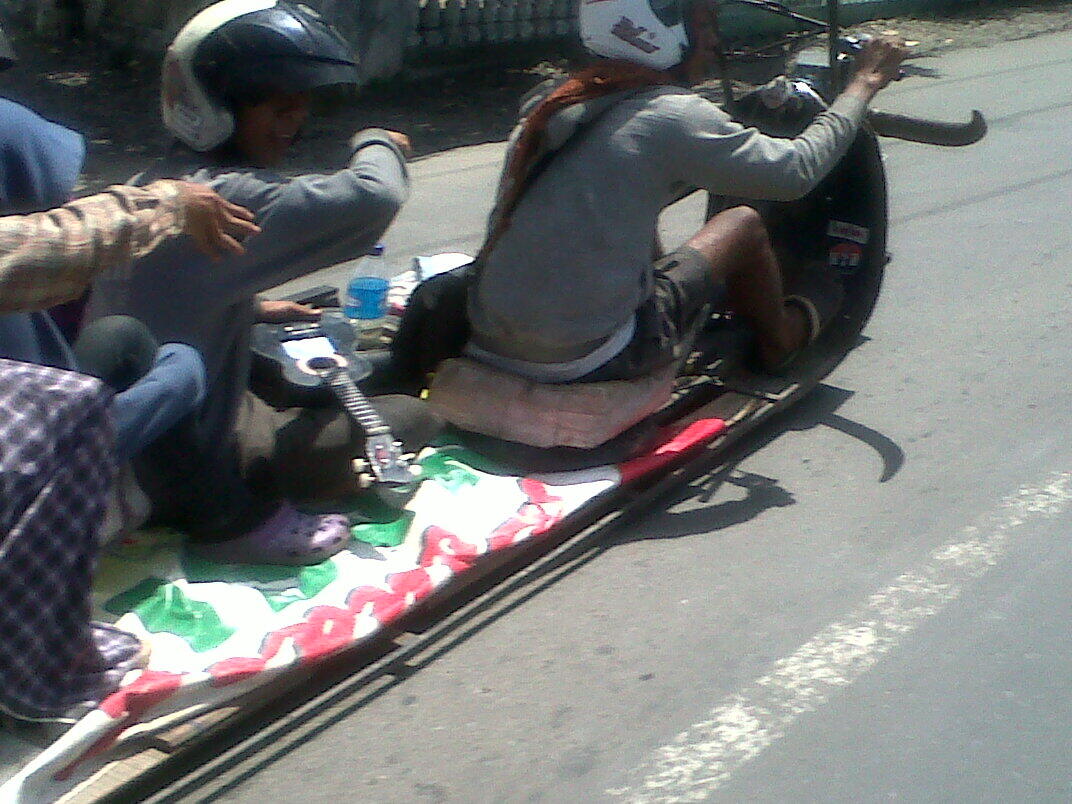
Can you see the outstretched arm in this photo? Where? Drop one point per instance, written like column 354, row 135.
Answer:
column 316, row 220
column 51, row 257
column 726, row 158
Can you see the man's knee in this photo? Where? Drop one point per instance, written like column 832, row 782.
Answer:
column 735, row 233
column 117, row 349
column 748, row 228
column 184, row 370
column 118, row 329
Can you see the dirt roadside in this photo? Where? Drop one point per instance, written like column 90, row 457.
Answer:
column 115, row 105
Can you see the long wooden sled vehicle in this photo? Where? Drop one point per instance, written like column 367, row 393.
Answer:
column 249, row 660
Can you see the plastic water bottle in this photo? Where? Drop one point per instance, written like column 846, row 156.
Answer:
column 365, row 300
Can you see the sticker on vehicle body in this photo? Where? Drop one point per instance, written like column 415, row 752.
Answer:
column 849, row 231
column 846, row 257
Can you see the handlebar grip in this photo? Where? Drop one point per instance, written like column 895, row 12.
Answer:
column 929, row 132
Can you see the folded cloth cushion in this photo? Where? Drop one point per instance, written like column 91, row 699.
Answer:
column 476, row 397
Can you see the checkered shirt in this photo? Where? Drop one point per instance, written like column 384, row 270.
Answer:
column 51, row 257
column 56, row 468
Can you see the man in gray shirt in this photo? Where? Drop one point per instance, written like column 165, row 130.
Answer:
column 566, row 288
column 236, row 92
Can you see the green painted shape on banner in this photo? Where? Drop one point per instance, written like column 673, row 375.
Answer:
column 162, row 607
column 133, row 597
column 369, row 508
column 280, row 585
column 278, row 602
column 384, row 534
column 314, row 579
column 473, row 460
column 450, row 469
column 200, row 570
column 311, row 582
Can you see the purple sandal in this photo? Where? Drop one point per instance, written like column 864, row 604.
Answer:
column 286, row 537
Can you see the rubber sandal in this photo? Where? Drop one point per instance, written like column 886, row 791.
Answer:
column 820, row 300
column 287, row 537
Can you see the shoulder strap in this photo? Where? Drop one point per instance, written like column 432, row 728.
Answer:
column 587, row 121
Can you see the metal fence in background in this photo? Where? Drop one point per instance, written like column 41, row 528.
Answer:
column 391, row 33
column 464, row 23
column 448, row 24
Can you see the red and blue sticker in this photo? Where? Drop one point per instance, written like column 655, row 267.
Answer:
column 847, row 251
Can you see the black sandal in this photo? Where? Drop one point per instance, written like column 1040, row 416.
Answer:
column 820, row 300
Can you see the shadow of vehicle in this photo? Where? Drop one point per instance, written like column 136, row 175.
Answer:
column 762, row 493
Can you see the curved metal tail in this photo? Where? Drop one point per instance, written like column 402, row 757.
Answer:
column 930, row 132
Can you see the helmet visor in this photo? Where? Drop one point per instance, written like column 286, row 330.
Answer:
column 297, row 75
column 668, row 12
column 255, row 80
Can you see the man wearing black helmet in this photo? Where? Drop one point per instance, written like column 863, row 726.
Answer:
column 40, row 162
column 237, row 83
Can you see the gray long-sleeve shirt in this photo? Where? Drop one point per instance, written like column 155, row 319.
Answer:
column 307, row 223
column 576, row 260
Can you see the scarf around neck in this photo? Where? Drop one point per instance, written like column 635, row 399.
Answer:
column 531, row 146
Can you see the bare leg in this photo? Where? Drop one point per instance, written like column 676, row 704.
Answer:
column 738, row 249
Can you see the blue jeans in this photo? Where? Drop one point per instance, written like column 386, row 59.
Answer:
column 155, row 387
column 173, row 388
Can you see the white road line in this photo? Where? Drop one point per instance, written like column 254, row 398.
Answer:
column 703, row 757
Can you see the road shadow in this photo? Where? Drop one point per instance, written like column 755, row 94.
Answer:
column 761, row 493
column 911, row 70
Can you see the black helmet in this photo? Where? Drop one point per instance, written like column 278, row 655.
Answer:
column 288, row 48
column 240, row 51
column 7, row 52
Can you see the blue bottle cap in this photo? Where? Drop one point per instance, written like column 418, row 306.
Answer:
column 377, row 250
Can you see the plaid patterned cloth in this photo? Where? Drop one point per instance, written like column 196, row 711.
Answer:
column 51, row 257
column 56, row 467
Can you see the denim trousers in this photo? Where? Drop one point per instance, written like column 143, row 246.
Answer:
column 155, row 387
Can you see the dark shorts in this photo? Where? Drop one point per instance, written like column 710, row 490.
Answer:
column 435, row 326
column 667, row 322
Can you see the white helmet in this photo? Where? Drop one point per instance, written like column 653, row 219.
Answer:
column 234, row 51
column 647, row 32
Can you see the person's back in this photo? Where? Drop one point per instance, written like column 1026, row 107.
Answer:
column 567, row 273
column 39, row 166
column 575, row 260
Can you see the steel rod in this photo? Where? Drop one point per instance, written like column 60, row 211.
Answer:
column 722, row 64
column 780, row 10
column 833, row 33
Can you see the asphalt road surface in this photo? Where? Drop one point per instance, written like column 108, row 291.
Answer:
column 801, row 630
